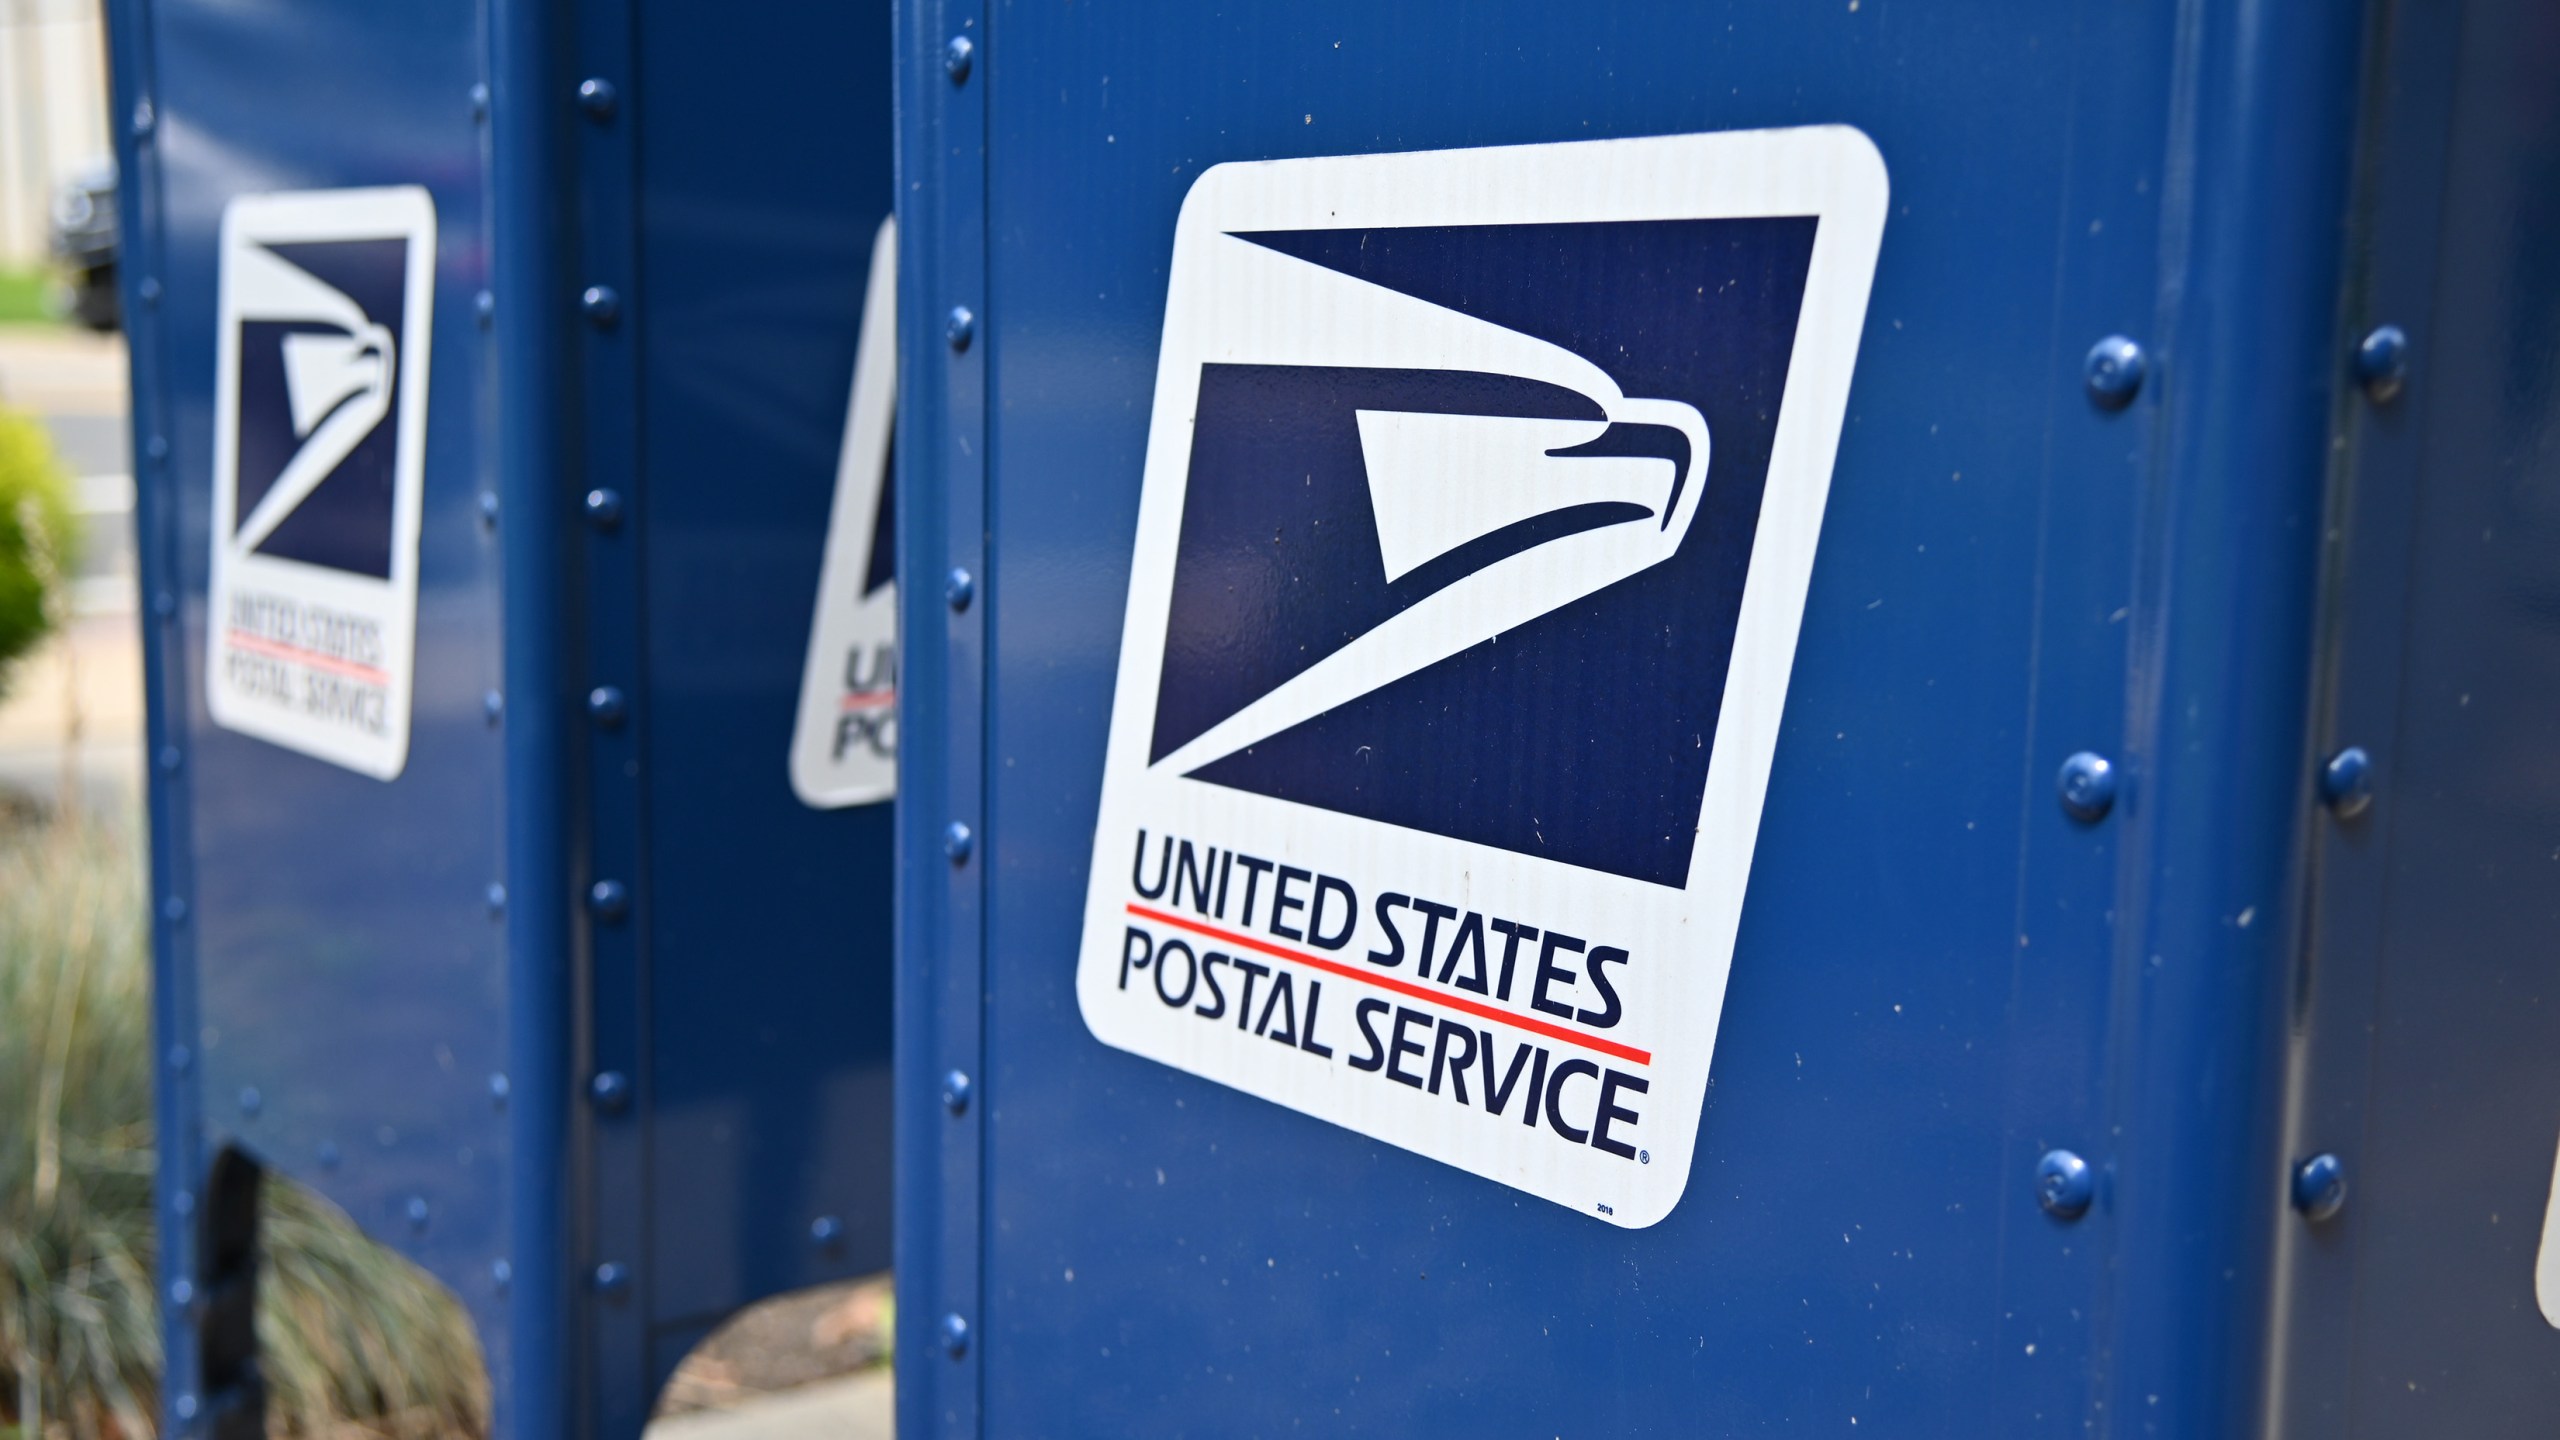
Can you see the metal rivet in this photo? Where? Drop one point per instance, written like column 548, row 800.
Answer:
column 611, row 1281
column 2064, row 1184
column 157, row 447
column 957, row 587
column 144, row 118
column 2346, row 782
column 328, row 1155
column 501, row 1275
column 596, row 97
column 169, row 758
column 601, row 305
column 605, row 705
column 183, row 1204
column 608, row 899
column 489, row 509
column 251, row 1102
column 2114, row 371
column 2320, row 1187
column 2382, row 363
column 604, row 509
column 493, row 706
column 184, row 1407
column 955, row 1092
column 2087, row 784
column 484, row 308
column 958, row 57
column 826, row 1231
column 499, row 1089
column 149, row 289
column 480, row 102
column 495, row 898
column 417, row 1212
column 181, row 1059
column 955, row 1336
column 611, row 1090
column 960, row 328
column 182, row 1293
column 164, row 604
column 957, row 842
column 174, row 910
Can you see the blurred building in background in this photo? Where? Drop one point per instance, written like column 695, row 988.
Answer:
column 53, row 113
column 70, row 717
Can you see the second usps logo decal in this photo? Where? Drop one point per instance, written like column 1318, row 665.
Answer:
column 1481, row 496
column 320, row 418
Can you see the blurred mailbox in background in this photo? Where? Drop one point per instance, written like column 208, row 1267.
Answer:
column 1730, row 719
column 521, row 849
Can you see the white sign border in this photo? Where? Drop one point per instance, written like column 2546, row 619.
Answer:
column 1831, row 172
column 379, row 213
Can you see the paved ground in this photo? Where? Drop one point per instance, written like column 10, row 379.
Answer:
column 61, row 371
column 855, row 1408
column 824, row 1333
column 71, row 718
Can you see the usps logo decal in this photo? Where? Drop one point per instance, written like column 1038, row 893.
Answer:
column 1481, row 496
column 844, row 741
column 320, row 410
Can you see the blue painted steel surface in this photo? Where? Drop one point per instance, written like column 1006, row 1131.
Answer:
column 1942, row 974
column 540, row 1391
column 753, row 260
column 941, row 904
column 327, row 951
column 2425, row 1032
column 759, row 182
column 397, row 992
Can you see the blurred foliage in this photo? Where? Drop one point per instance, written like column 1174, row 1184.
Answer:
column 39, row 534
column 354, row 1341
column 79, row 1338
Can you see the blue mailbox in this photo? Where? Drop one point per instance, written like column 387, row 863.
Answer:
column 519, row 845
column 1702, row 720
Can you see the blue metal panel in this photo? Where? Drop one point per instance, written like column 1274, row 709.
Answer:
column 942, row 531
column 761, row 180
column 616, row 903
column 398, row 991
column 342, row 1030
column 175, row 1092
column 2424, row 1035
column 537, row 1381
column 1939, row 974
column 2221, row 632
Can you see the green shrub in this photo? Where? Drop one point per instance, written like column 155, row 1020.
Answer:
column 38, row 536
column 353, row 1339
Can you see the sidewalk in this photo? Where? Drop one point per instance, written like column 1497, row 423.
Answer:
column 858, row 1407
column 62, row 370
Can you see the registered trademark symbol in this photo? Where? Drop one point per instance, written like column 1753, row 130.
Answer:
column 1644, row 1157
